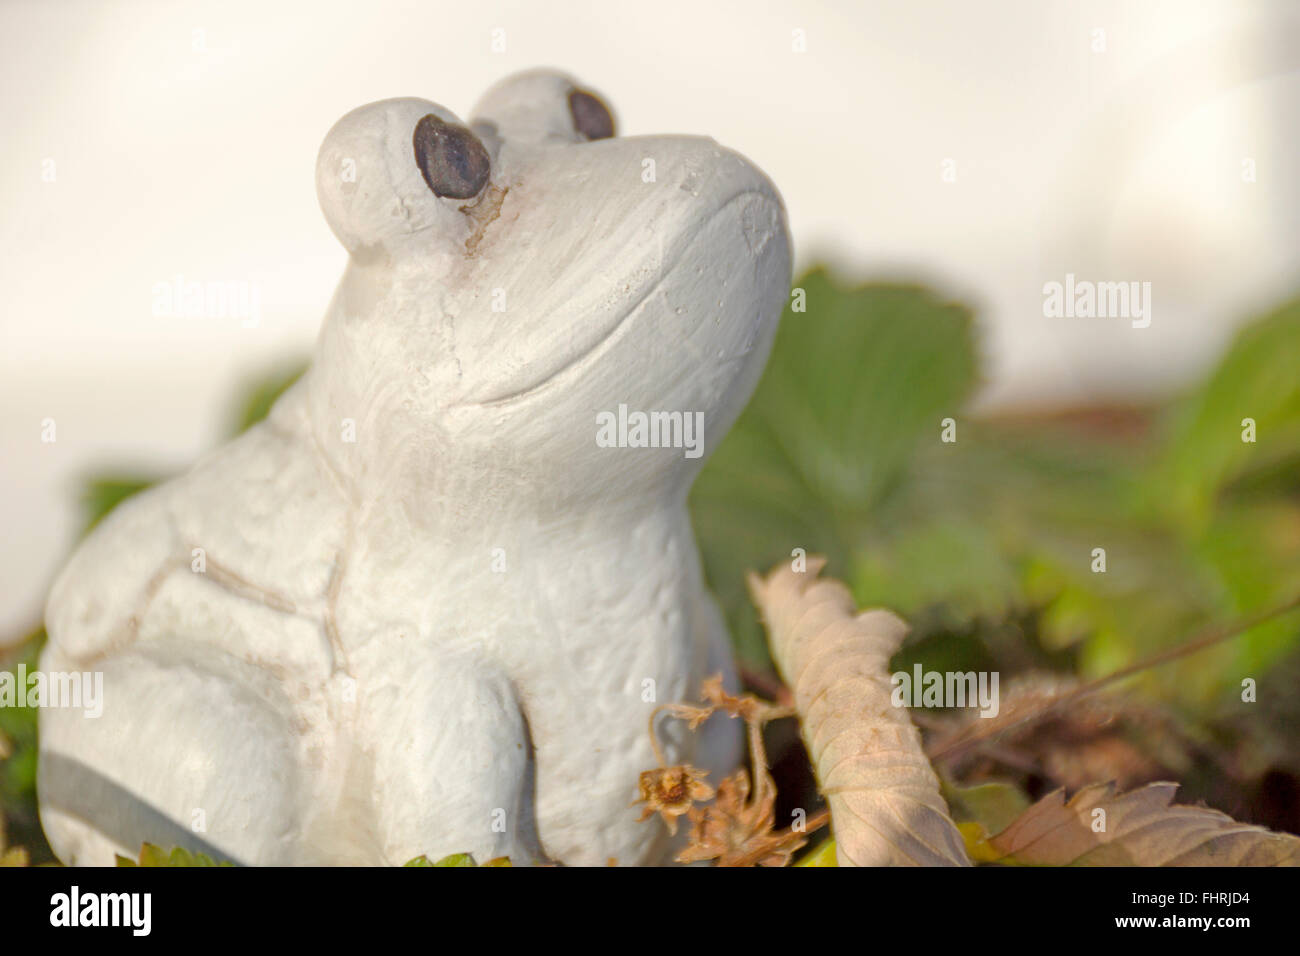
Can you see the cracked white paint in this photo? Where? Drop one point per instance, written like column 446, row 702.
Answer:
column 349, row 680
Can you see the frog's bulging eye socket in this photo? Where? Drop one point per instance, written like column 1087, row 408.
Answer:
column 451, row 158
column 591, row 117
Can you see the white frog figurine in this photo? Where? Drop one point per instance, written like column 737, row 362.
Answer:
column 421, row 608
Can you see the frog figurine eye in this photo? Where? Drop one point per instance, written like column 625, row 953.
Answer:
column 451, row 159
column 591, row 117
column 545, row 107
column 385, row 168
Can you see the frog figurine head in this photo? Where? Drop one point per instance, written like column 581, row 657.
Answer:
column 519, row 277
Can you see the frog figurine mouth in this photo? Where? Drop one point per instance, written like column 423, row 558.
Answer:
column 750, row 206
column 677, row 253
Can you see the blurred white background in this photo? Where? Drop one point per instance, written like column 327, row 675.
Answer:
column 147, row 140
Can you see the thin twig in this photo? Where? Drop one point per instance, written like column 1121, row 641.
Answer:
column 767, row 684
column 654, row 738
column 1210, row 637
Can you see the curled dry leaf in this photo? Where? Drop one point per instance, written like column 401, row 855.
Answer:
column 738, row 831
column 1099, row 827
column 883, row 795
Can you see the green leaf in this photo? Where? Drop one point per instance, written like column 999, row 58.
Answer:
column 1258, row 380
column 1253, row 548
column 993, row 805
column 852, row 385
column 104, row 493
column 257, row 399
column 822, row 855
column 18, row 728
column 155, row 856
column 455, row 859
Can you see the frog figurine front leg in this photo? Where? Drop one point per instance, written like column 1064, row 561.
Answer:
column 429, row 604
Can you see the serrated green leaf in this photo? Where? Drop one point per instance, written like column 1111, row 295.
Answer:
column 156, row 856
column 852, row 385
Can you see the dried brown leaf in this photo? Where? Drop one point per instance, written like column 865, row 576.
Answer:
column 1140, row 828
column 738, row 831
column 883, row 795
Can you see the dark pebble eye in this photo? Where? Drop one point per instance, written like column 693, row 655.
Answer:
column 591, row 117
column 451, row 158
